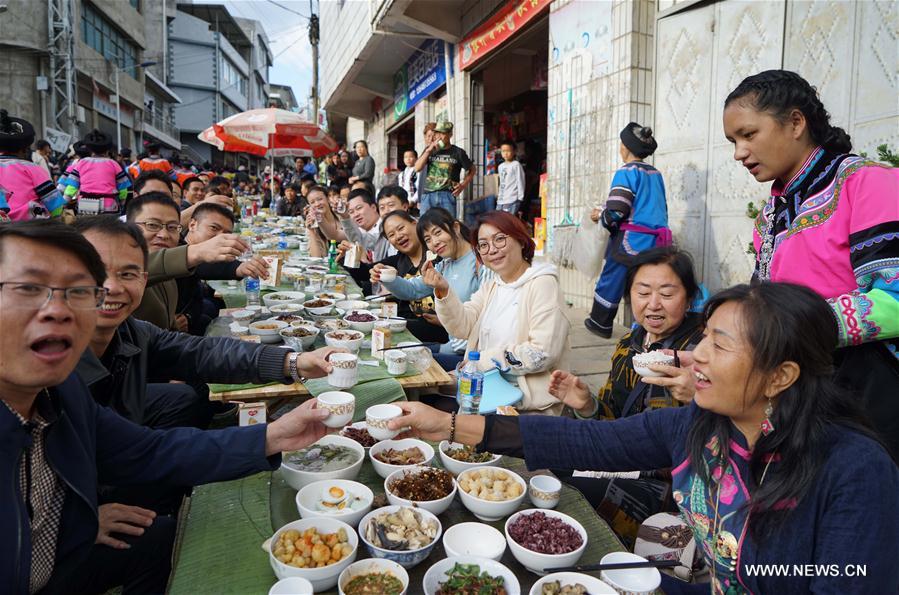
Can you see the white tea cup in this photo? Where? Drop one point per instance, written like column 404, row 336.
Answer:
column 376, row 419
column 344, row 370
column 388, row 274
column 340, row 405
column 544, row 491
column 396, row 361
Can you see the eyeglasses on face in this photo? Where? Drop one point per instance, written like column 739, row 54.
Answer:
column 156, row 226
column 36, row 296
column 498, row 241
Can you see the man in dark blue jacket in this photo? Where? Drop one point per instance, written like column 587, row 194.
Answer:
column 57, row 444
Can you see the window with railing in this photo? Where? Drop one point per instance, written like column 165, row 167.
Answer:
column 99, row 33
column 231, row 77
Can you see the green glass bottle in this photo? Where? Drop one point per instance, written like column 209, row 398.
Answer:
column 333, row 267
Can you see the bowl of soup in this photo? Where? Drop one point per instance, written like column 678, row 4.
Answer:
column 332, row 457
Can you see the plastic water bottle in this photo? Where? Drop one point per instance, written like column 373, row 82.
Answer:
column 282, row 241
column 471, row 385
column 252, row 291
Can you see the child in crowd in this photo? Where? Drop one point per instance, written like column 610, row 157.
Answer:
column 409, row 177
column 511, row 181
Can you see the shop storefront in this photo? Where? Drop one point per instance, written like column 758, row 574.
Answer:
column 422, row 77
column 507, row 58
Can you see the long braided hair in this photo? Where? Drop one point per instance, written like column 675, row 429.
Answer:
column 778, row 92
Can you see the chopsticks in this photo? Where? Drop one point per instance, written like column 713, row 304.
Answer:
column 617, row 566
column 408, row 346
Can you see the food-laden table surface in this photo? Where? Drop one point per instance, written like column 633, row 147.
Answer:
column 223, row 526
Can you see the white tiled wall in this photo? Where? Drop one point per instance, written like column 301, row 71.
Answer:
column 345, row 29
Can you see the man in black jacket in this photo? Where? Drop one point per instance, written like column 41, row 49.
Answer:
column 57, row 444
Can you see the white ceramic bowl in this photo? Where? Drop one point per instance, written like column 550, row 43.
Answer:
column 377, row 417
column 436, row 574
column 456, row 467
column 308, row 498
column 305, row 342
column 354, row 296
column 350, row 305
column 283, row 297
column 633, row 581
column 537, row 562
column 289, row 308
column 334, row 314
column 331, row 295
column 643, row 360
column 407, row 558
column 292, row 585
column 396, row 325
column 488, row 510
column 358, row 425
column 268, row 330
column 474, row 539
column 331, row 324
column 384, row 469
column 318, row 310
column 435, row 506
column 323, row 578
column 373, row 566
column 594, row 585
column 352, row 341
column 341, row 404
column 419, row 358
column 243, row 316
column 298, row 479
column 361, row 326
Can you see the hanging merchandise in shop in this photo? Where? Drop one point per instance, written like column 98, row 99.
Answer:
column 500, row 28
column 423, row 74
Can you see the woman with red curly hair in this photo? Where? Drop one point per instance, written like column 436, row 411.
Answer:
column 517, row 319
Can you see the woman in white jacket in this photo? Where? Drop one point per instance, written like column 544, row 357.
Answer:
column 516, row 320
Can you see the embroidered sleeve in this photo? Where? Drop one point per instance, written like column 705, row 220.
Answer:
column 871, row 312
column 620, row 201
column 69, row 187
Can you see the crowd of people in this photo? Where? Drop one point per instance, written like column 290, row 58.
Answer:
column 769, row 433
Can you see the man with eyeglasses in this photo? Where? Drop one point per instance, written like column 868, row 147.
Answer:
column 158, row 218
column 57, row 443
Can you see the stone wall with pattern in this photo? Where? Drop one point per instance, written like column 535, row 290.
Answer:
column 846, row 49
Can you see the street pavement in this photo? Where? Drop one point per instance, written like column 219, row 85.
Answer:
column 590, row 355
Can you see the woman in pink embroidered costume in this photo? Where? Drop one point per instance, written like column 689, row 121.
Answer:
column 29, row 192
column 831, row 224
column 98, row 182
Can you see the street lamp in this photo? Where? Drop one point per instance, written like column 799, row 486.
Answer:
column 118, row 101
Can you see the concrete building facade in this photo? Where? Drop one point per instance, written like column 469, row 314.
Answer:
column 109, row 37
column 596, row 66
column 218, row 65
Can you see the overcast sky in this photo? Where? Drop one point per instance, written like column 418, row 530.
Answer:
column 289, row 37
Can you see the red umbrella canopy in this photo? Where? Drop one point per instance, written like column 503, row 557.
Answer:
column 269, row 132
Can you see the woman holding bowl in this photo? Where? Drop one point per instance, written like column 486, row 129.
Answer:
column 831, row 224
column 660, row 286
column 516, row 321
column 771, row 464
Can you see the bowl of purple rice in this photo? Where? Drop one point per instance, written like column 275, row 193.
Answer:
column 541, row 539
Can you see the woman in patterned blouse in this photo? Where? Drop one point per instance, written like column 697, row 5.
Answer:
column 831, row 224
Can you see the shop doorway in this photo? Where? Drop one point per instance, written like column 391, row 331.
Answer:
column 401, row 138
column 510, row 105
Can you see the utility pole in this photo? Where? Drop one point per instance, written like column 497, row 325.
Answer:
column 60, row 15
column 313, row 41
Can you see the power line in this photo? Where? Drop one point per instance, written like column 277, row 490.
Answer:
column 281, row 6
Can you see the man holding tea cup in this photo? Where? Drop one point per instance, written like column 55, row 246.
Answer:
column 444, row 163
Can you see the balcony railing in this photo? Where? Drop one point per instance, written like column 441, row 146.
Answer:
column 161, row 123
